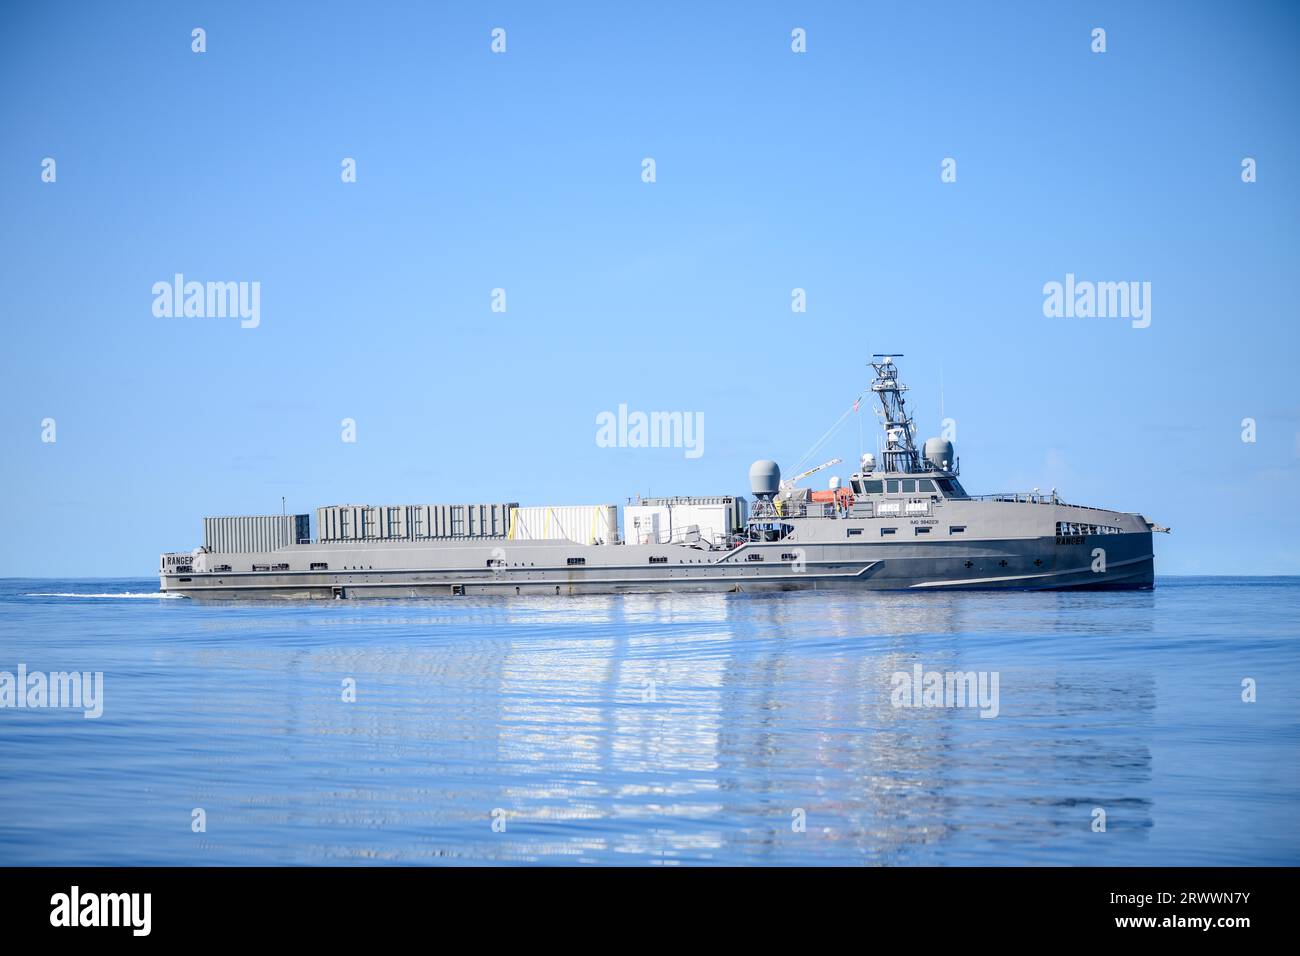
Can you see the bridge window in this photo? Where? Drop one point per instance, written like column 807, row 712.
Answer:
column 892, row 486
column 926, row 485
column 874, row 487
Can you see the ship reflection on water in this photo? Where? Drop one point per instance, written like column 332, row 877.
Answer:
column 660, row 730
column 705, row 728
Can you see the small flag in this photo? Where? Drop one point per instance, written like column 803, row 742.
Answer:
column 855, row 403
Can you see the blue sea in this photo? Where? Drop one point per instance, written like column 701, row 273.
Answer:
column 657, row 730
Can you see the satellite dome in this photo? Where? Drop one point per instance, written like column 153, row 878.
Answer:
column 938, row 453
column 868, row 463
column 764, row 478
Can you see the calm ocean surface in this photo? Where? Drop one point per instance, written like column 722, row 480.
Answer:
column 687, row 729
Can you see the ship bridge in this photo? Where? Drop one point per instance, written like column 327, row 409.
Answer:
column 912, row 476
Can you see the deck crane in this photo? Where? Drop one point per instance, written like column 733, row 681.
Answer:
column 787, row 484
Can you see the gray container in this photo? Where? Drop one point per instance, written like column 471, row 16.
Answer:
column 412, row 522
column 245, row 534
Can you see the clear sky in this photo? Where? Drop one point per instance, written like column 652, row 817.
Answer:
column 522, row 171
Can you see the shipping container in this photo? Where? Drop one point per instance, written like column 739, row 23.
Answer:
column 412, row 522
column 581, row 524
column 683, row 518
column 244, row 534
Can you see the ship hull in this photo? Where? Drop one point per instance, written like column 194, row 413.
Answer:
column 1105, row 562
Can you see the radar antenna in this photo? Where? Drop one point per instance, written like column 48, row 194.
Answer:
column 899, row 453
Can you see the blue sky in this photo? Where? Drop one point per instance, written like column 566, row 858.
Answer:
column 522, row 171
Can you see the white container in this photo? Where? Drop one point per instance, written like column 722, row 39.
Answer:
column 581, row 524
column 664, row 520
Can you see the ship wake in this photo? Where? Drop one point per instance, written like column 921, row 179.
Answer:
column 153, row 595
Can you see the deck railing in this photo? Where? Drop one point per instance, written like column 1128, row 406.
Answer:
column 792, row 509
column 818, row 509
column 1023, row 497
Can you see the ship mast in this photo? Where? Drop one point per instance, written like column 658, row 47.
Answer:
column 900, row 453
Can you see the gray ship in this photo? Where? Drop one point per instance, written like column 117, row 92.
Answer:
column 903, row 523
